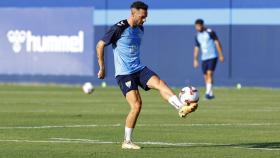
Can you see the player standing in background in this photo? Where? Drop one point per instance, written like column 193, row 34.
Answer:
column 125, row 37
column 210, row 47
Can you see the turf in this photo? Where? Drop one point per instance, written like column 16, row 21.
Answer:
column 61, row 121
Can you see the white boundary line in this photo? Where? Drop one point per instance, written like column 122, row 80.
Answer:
column 140, row 125
column 89, row 141
column 167, row 144
column 210, row 124
column 60, row 126
column 250, row 148
column 147, row 142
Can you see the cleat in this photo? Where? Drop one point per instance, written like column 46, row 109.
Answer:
column 130, row 145
column 209, row 97
column 186, row 109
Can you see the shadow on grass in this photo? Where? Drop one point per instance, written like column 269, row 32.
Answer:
column 260, row 146
column 270, row 145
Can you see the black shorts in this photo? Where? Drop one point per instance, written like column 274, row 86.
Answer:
column 132, row 81
column 209, row 64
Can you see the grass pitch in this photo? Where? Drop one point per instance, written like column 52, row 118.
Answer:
column 62, row 122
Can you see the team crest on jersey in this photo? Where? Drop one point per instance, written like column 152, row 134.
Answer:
column 128, row 84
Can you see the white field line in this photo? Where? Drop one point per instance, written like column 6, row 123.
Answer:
column 147, row 142
column 88, row 141
column 203, row 144
column 57, row 141
column 140, row 125
column 209, row 124
column 60, row 126
column 60, row 140
column 167, row 144
column 250, row 148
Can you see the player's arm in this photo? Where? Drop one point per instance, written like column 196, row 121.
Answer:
column 219, row 49
column 107, row 39
column 218, row 45
column 195, row 56
column 195, row 53
column 100, row 57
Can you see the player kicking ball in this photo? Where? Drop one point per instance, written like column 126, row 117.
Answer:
column 210, row 47
column 125, row 37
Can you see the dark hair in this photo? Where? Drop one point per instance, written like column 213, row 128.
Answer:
column 139, row 5
column 199, row 21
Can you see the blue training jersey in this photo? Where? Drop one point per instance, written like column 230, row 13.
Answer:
column 126, row 43
column 205, row 41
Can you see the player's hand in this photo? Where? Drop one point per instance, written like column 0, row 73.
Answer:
column 101, row 74
column 195, row 63
column 221, row 58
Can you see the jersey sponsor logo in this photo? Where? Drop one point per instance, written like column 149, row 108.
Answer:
column 45, row 43
column 203, row 39
column 133, row 48
column 128, row 84
column 209, row 30
column 121, row 23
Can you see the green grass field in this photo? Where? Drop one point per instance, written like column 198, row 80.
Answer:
column 62, row 122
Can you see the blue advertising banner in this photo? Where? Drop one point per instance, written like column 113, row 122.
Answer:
column 46, row 41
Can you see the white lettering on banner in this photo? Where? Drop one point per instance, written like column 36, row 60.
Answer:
column 45, row 43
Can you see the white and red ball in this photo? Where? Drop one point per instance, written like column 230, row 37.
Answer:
column 88, row 88
column 189, row 95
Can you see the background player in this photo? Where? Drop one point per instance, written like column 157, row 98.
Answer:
column 208, row 43
column 125, row 37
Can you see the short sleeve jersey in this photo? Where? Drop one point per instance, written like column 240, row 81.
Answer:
column 206, row 42
column 126, row 43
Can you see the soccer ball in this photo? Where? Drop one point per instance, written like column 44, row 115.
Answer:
column 189, row 95
column 88, row 88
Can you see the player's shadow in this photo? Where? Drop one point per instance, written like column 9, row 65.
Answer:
column 270, row 145
column 260, row 145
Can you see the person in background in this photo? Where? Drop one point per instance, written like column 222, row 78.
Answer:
column 207, row 42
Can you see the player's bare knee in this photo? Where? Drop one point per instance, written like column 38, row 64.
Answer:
column 136, row 108
column 163, row 84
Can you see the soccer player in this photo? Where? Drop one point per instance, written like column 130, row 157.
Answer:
column 125, row 37
column 210, row 47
